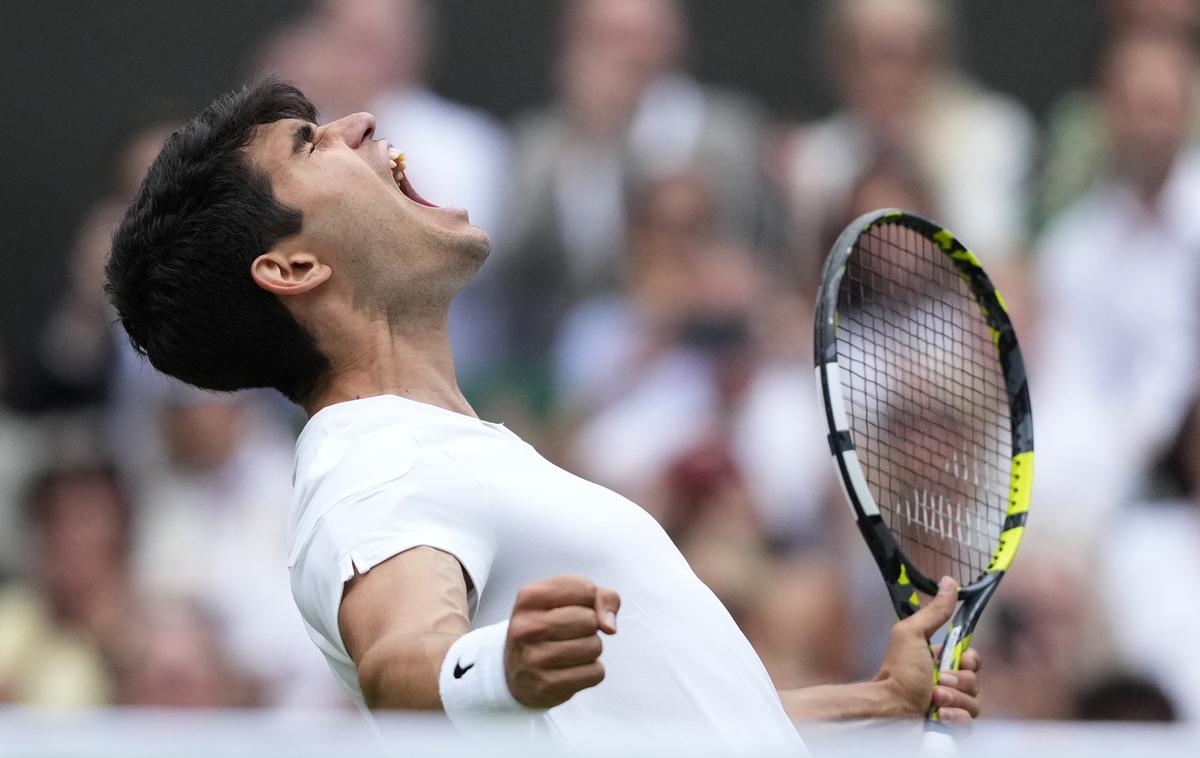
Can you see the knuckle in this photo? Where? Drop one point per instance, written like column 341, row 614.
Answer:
column 595, row 674
column 968, row 683
column 594, row 646
column 517, row 628
column 580, row 582
column 587, row 587
column 526, row 595
column 525, row 628
column 526, row 688
column 535, row 657
column 538, row 680
column 587, row 620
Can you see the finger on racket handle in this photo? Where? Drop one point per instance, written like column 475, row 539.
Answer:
column 938, row 744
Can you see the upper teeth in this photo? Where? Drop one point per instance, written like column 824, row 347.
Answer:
column 396, row 158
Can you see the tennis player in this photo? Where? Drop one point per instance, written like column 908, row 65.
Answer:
column 438, row 561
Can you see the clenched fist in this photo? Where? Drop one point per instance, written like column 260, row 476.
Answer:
column 553, row 646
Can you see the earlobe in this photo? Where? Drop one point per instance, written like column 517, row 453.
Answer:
column 293, row 273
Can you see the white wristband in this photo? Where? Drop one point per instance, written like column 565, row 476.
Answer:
column 473, row 683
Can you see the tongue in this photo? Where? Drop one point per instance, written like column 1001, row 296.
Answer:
column 407, row 188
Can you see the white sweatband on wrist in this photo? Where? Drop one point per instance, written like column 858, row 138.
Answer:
column 473, row 683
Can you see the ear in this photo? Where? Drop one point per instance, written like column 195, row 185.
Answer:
column 289, row 273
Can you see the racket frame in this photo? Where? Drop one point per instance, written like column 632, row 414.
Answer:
column 903, row 578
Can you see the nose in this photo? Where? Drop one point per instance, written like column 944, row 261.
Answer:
column 354, row 129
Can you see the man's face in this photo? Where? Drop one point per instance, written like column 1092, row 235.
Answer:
column 1149, row 103
column 390, row 250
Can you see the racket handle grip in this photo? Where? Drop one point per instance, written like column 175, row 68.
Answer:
column 937, row 744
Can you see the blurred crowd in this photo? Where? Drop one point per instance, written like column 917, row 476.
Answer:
column 645, row 320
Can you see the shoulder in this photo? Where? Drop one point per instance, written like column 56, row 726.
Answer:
column 364, row 476
column 352, row 456
column 367, row 491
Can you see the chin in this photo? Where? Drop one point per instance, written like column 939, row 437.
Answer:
column 475, row 243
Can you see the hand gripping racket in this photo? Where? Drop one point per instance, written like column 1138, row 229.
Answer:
column 929, row 418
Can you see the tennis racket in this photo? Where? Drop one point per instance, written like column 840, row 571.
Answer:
column 929, row 417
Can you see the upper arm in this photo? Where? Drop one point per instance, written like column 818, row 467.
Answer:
column 397, row 621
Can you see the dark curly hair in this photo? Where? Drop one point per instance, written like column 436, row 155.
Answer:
column 179, row 271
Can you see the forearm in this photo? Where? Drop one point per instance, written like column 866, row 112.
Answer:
column 401, row 672
column 834, row 702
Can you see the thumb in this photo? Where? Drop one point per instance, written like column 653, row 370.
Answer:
column 608, row 602
column 930, row 618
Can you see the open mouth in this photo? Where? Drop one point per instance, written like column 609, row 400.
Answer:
column 396, row 158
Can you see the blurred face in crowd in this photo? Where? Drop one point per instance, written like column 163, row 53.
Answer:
column 1149, row 88
column 675, row 215
column 175, row 663
column 366, row 47
column 82, row 538
column 1170, row 16
column 89, row 256
column 887, row 186
column 613, row 49
column 886, row 50
column 136, row 156
column 203, row 434
column 690, row 284
column 369, row 243
column 674, row 218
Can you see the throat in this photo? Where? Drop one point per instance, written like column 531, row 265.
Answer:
column 416, row 365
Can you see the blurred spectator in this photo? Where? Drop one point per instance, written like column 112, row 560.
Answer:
column 174, row 659
column 1043, row 637
column 626, row 113
column 1078, row 148
column 84, row 372
column 374, row 55
column 78, row 351
column 889, row 181
column 1117, row 277
column 214, row 531
column 1147, row 575
column 903, row 98
column 19, row 453
column 800, row 647
column 377, row 57
column 680, row 369
column 58, row 630
column 607, row 337
column 1123, row 698
column 690, row 402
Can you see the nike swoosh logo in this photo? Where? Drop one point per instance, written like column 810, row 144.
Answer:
column 459, row 669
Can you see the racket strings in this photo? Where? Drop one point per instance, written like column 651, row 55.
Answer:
column 926, row 401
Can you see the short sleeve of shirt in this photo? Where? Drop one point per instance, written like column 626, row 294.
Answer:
column 373, row 497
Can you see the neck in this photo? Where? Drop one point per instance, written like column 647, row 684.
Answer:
column 413, row 363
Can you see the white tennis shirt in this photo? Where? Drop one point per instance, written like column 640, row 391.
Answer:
column 378, row 476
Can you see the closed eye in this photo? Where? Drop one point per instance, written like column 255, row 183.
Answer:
column 304, row 135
